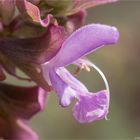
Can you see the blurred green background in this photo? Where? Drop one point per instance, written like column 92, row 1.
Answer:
column 121, row 65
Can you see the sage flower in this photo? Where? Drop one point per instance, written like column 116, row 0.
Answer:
column 55, row 43
column 90, row 106
column 46, row 65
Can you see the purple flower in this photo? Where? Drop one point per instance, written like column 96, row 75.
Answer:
column 17, row 106
column 44, row 57
column 50, row 55
column 89, row 106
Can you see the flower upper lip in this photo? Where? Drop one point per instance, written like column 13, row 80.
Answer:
column 84, row 41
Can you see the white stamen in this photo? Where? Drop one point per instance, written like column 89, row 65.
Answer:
column 102, row 75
